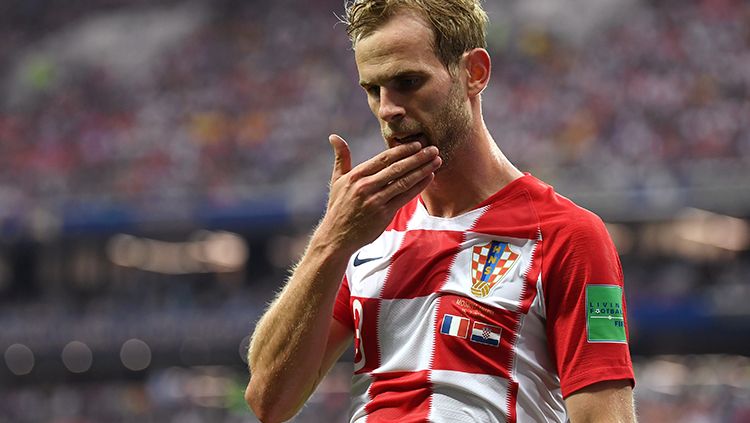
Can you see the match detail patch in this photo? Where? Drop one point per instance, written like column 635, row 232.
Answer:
column 605, row 321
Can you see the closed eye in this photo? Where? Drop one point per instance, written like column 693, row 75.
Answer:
column 408, row 83
column 371, row 90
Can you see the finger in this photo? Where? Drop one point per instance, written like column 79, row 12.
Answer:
column 404, row 166
column 404, row 187
column 401, row 199
column 386, row 158
column 342, row 162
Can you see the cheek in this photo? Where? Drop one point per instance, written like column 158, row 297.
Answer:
column 433, row 101
column 430, row 112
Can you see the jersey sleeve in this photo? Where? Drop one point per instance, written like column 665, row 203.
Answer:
column 341, row 308
column 585, row 305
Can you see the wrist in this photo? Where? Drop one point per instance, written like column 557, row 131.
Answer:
column 329, row 240
column 328, row 251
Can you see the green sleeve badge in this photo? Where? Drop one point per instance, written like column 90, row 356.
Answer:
column 605, row 321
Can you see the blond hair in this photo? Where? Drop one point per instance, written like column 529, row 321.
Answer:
column 458, row 25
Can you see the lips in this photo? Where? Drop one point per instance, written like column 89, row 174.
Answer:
column 407, row 138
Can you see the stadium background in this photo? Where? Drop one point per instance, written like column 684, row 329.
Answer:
column 162, row 163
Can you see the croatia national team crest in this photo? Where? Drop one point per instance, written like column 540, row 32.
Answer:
column 489, row 263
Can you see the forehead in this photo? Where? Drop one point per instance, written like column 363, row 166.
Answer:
column 404, row 43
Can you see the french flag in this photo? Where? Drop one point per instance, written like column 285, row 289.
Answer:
column 455, row 326
column 486, row 334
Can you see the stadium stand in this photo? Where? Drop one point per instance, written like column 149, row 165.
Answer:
column 162, row 162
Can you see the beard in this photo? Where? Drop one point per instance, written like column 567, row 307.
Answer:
column 450, row 127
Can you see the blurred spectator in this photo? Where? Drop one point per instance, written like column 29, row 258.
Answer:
column 232, row 102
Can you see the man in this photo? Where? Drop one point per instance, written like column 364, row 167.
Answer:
column 472, row 292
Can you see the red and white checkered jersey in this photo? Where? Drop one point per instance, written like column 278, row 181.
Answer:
column 485, row 317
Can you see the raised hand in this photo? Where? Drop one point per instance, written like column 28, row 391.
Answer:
column 364, row 199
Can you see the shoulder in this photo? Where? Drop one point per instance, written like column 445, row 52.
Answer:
column 572, row 236
column 561, row 217
column 530, row 208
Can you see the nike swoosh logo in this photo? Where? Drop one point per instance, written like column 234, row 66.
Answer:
column 358, row 261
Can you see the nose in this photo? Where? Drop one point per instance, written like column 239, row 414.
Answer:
column 390, row 109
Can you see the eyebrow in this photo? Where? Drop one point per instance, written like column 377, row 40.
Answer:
column 400, row 74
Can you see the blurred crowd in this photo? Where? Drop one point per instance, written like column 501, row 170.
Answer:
column 139, row 111
column 235, row 103
column 637, row 109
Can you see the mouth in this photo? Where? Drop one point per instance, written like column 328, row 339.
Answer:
column 405, row 139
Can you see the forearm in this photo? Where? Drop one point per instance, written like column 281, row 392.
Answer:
column 297, row 338
column 287, row 347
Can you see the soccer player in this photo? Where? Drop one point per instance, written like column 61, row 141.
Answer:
column 472, row 291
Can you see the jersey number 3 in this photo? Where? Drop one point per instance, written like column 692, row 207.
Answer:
column 359, row 351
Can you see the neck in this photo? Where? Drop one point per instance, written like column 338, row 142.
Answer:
column 476, row 170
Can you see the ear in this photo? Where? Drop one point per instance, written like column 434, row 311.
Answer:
column 478, row 67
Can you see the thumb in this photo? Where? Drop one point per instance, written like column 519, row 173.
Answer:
column 342, row 163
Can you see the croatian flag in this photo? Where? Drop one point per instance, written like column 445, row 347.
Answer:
column 486, row 334
column 455, row 326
